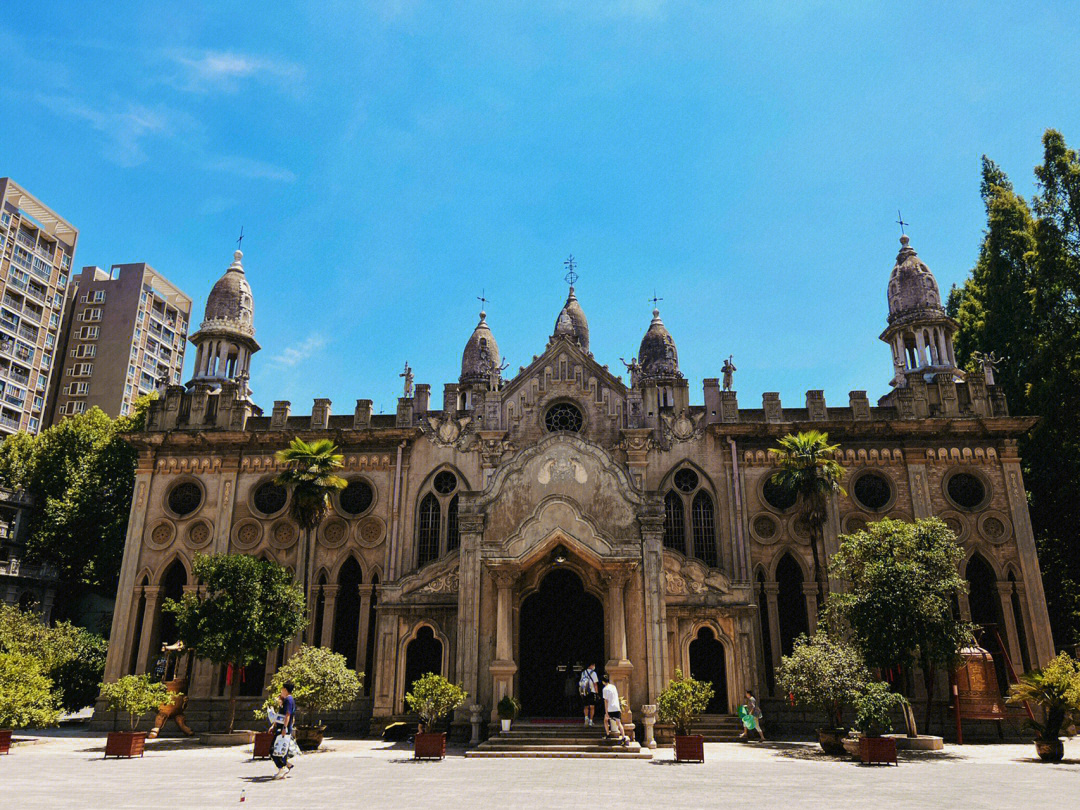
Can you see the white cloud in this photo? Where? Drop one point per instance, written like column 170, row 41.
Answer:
column 251, row 169
column 222, row 70
column 294, row 355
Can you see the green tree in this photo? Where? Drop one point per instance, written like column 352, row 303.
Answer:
column 823, row 673
column 81, row 474
column 1022, row 302
column 901, row 581
column 71, row 657
column 433, row 697
column 26, row 693
column 245, row 608
column 1056, row 690
column 321, row 679
column 682, row 702
column 310, row 474
column 135, row 695
column 809, row 469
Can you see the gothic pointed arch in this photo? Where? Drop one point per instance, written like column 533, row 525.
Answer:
column 790, row 601
column 350, row 577
column 690, row 525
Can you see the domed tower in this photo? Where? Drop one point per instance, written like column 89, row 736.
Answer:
column 226, row 338
column 919, row 332
column 572, row 323
column 658, row 370
column 481, row 364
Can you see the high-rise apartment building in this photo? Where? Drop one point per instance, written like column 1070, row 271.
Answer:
column 125, row 332
column 36, row 251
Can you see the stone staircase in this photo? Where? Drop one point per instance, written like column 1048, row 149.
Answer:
column 719, row 727
column 569, row 740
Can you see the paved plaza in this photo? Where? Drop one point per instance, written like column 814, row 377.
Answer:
column 68, row 771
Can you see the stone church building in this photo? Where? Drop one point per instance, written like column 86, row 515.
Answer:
column 523, row 527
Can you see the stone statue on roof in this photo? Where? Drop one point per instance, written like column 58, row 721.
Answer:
column 729, row 372
column 408, row 375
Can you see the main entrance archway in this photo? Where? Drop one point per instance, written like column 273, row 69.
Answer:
column 562, row 632
column 707, row 664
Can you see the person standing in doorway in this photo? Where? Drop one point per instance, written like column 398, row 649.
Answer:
column 613, row 707
column 284, row 727
column 753, row 714
column 587, row 686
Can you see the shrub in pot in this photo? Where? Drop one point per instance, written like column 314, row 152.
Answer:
column 823, row 674
column 681, row 703
column 322, row 682
column 26, row 696
column 1055, row 689
column 433, row 697
column 508, row 709
column 134, row 695
column 874, row 708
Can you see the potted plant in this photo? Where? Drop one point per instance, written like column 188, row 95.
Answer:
column 321, row 683
column 508, row 709
column 681, row 703
column 1056, row 690
column 823, row 674
column 433, row 697
column 26, row 696
column 874, row 708
column 135, row 695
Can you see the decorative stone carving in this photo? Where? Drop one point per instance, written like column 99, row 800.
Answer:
column 682, row 428
column 370, row 532
column 161, row 536
column 247, row 534
column 333, row 533
column 562, row 468
column 447, row 583
column 995, row 526
column 765, row 529
column 445, row 431
column 283, row 535
column 199, row 534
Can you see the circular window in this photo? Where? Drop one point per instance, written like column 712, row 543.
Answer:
column 764, row 527
column 444, row 483
column 198, row 535
column 563, row 416
column 778, row 497
column 685, row 480
column 356, row 497
column 270, row 498
column 185, row 498
column 872, row 491
column 966, row 490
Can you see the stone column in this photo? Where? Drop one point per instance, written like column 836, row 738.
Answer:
column 201, row 681
column 471, row 527
column 772, row 589
column 915, row 459
column 810, row 591
column 362, row 631
column 330, row 593
column 1004, row 590
column 503, row 667
column 618, row 665
column 652, row 570
column 1025, row 617
column 150, row 623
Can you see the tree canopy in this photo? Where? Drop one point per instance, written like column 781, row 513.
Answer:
column 1022, row 302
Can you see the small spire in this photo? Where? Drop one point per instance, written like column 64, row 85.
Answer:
column 236, row 261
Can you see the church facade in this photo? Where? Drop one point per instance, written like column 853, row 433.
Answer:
column 523, row 527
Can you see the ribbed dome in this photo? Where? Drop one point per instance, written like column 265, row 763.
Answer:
column 231, row 299
column 913, row 290
column 481, row 353
column 657, row 354
column 572, row 323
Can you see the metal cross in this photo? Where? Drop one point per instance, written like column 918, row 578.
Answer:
column 241, row 239
column 654, row 299
column 483, row 301
column 900, row 222
column 571, row 277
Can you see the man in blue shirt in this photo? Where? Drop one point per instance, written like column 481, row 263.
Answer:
column 285, row 725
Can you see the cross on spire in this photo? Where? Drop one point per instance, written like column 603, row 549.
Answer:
column 571, row 276
column 241, row 239
column 901, row 223
column 483, row 301
column 654, row 299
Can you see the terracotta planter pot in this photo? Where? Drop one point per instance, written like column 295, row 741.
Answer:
column 831, row 741
column 264, row 745
column 877, row 749
column 1050, row 750
column 430, row 746
column 689, row 748
column 309, row 738
column 125, row 744
column 5, row 740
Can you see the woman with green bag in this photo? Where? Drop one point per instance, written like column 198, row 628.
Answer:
column 750, row 714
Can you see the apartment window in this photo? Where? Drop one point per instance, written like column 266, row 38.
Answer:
column 74, row 407
column 42, row 381
column 88, row 333
column 50, row 341
column 91, row 314
column 39, row 403
column 93, row 297
column 78, row 389
column 32, row 425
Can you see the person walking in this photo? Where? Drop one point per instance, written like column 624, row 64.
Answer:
column 286, row 721
column 752, row 717
column 587, row 686
column 613, row 707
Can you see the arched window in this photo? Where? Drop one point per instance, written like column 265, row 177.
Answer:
column 453, row 534
column 347, row 611
column 428, row 534
column 790, row 603
column 689, row 513
column 674, row 523
column 704, row 529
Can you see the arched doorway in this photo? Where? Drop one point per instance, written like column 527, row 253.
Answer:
column 562, row 632
column 985, row 606
column 707, row 664
column 790, row 603
column 347, row 612
column 422, row 655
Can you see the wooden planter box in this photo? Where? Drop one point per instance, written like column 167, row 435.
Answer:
column 125, row 744
column 877, row 749
column 689, row 748
column 264, row 745
column 430, row 746
column 5, row 740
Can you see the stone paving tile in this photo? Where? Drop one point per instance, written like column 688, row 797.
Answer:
column 67, row 771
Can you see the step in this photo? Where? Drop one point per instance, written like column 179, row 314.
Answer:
column 563, row 754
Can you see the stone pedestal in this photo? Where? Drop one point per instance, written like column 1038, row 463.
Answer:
column 475, row 718
column 648, row 717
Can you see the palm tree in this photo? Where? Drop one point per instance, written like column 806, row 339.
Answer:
column 809, row 470
column 309, row 472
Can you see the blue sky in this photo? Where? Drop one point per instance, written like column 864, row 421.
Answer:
column 389, row 160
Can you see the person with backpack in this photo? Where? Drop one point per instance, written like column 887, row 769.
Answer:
column 587, row 686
